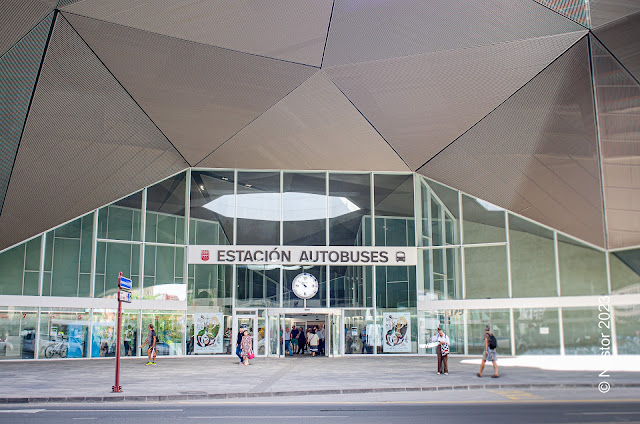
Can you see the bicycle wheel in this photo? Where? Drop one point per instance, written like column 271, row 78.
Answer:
column 49, row 351
column 63, row 351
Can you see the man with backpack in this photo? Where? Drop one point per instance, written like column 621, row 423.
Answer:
column 490, row 345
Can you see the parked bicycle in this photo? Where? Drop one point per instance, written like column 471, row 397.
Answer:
column 59, row 348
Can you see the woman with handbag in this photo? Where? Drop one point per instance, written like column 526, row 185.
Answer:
column 442, row 351
column 246, row 347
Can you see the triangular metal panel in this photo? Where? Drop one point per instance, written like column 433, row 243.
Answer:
column 575, row 10
column 85, row 144
column 618, row 104
column 314, row 127
column 422, row 103
column 536, row 154
column 363, row 31
column 603, row 12
column 18, row 17
column 292, row 30
column 18, row 72
column 198, row 95
column 622, row 39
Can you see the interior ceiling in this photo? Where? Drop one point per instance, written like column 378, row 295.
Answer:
column 502, row 99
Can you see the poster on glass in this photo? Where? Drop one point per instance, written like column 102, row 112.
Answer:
column 397, row 332
column 207, row 337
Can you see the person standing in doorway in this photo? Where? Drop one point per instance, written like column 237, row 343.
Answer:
column 302, row 341
column 246, row 346
column 314, row 341
column 294, row 339
column 287, row 341
column 238, row 347
column 151, row 341
column 442, row 351
column 321, row 337
column 489, row 354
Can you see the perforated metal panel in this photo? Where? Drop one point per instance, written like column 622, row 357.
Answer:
column 198, row 95
column 572, row 9
column 293, row 30
column 18, row 71
column 605, row 11
column 17, row 17
column 422, row 103
column 314, row 127
column 618, row 100
column 622, row 39
column 536, row 154
column 85, row 144
column 363, row 31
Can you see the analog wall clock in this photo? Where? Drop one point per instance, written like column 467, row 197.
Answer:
column 305, row 286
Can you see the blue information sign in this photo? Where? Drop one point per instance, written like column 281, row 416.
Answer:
column 125, row 283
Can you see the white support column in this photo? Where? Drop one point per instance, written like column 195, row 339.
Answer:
column 43, row 243
column 463, row 277
column 143, row 234
column 465, row 331
column 140, row 334
column 187, row 217
column 513, row 333
column 614, row 332
column 90, row 334
column 557, row 260
column 374, row 295
column 94, row 251
column 186, row 329
column 509, row 280
column 561, row 332
column 235, row 209
column 36, row 344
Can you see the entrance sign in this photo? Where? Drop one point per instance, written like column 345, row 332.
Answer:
column 303, row 255
column 207, row 334
column 397, row 332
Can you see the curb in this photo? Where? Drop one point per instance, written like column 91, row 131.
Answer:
column 158, row 398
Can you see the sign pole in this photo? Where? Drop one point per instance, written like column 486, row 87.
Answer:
column 117, row 388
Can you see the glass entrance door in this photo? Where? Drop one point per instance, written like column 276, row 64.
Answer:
column 248, row 322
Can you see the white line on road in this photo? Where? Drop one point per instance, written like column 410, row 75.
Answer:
column 264, row 417
column 604, row 413
column 21, row 411
column 89, row 418
column 111, row 410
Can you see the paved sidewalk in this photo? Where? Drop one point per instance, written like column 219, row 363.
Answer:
column 216, row 377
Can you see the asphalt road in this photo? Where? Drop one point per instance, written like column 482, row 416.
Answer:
column 303, row 410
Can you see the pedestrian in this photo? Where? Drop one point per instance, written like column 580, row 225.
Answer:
column 490, row 345
column 363, row 337
column 321, row 337
column 246, row 346
column 294, row 339
column 151, row 341
column 314, row 341
column 442, row 351
column 287, row 341
column 238, row 347
column 302, row 341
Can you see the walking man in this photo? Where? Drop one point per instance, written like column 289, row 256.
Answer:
column 238, row 347
column 287, row 341
column 321, row 337
column 490, row 345
column 151, row 341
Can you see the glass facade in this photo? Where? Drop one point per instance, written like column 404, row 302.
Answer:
column 473, row 257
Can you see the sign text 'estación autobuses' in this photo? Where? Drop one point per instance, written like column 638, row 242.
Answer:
column 316, row 255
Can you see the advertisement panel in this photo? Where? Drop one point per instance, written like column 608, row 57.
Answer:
column 207, row 334
column 397, row 332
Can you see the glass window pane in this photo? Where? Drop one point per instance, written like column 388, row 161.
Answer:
column 500, row 324
column 537, row 331
column 581, row 333
column 17, row 332
column 349, row 207
column 210, row 285
column 356, row 325
column 165, row 211
column 169, row 327
column 63, row 333
column 393, row 197
column 351, row 286
column 396, row 286
column 212, row 207
column 627, row 331
column 115, row 258
column 304, row 211
column 121, row 220
column 486, row 272
column 290, row 300
column 258, row 208
column 164, row 273
column 583, row 270
column 451, row 322
column 258, row 286
column 483, row 222
column 533, row 269
column 625, row 271
column 12, row 266
column 69, row 251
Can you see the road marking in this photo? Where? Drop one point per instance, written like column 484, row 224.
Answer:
column 517, row 394
column 412, row 402
column 112, row 410
column 604, row 413
column 90, row 418
column 264, row 417
column 21, row 411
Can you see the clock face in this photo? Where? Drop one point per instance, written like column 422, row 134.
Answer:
column 305, row 286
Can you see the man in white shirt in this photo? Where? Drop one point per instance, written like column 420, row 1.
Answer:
column 287, row 341
column 321, row 337
column 443, row 340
